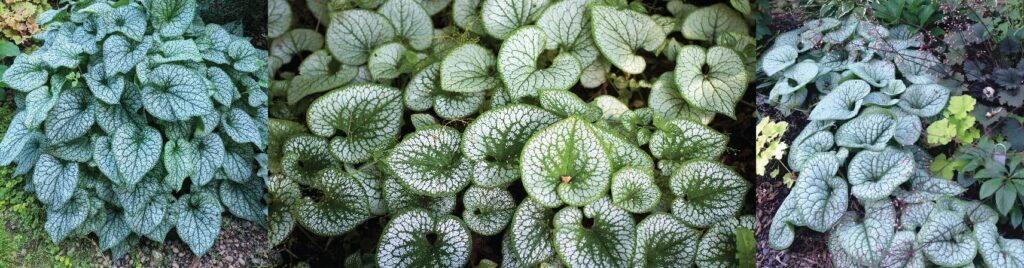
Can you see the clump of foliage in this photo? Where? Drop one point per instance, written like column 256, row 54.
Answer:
column 870, row 88
column 17, row 18
column 915, row 13
column 123, row 102
column 769, row 143
column 391, row 115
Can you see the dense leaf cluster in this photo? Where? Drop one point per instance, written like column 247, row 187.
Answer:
column 871, row 88
column 135, row 118
column 373, row 123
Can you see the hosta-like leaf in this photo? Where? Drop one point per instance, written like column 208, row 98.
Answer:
column 878, row 73
column 136, row 151
column 243, row 199
column 283, row 194
column 495, row 139
column 468, row 68
column 61, row 221
column 198, row 221
column 466, row 15
column 150, row 216
column 707, row 192
column 179, row 159
column 842, row 103
column 411, row 22
column 567, row 26
column 429, row 162
column 384, row 61
column 367, row 116
column 27, row 73
column 711, row 79
column 519, row 67
column 501, row 17
column 997, row 251
column 532, row 232
column 423, row 92
column 619, row 33
column 871, row 130
column 343, row 205
column 352, row 34
column 114, row 229
column 565, row 163
column 209, row 156
column 55, row 181
column 945, row 238
column 15, row 139
column 171, row 17
column 400, row 198
column 874, row 175
column 682, row 139
column 175, row 93
column 63, row 53
column 121, row 55
column 241, row 127
column 718, row 245
column 924, row 100
column 633, row 189
column 106, row 89
column 864, row 241
column 662, row 240
column 237, row 161
column 304, row 156
column 418, row 238
column 709, row 22
column 71, row 118
column 666, row 99
column 487, row 211
column 565, row 104
column 279, row 18
column 608, row 242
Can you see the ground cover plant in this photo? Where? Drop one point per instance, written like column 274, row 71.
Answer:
column 135, row 118
column 875, row 113
column 519, row 133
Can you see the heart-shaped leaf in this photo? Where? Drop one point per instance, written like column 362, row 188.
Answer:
column 198, row 221
column 343, row 205
column 468, row 68
column 487, row 210
column 136, row 151
column 607, row 242
column 411, row 22
column 619, row 33
column 495, row 139
column 418, row 238
column 662, row 240
column 842, row 103
column 874, row 175
column 666, row 99
column 531, row 232
column 709, row 22
column 501, row 17
column 565, row 163
column 707, row 192
column 519, row 67
column 172, row 17
column 366, row 118
column 633, row 189
column 924, row 100
column 871, row 130
column 175, row 93
column 711, row 79
column 429, row 162
column 353, row 34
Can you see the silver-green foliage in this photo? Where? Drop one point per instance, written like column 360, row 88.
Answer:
column 876, row 86
column 453, row 132
column 126, row 104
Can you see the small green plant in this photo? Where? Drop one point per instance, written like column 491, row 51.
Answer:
column 18, row 22
column 769, row 143
column 957, row 123
column 916, row 13
column 123, row 102
column 476, row 129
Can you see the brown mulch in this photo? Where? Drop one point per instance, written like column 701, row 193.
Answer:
column 241, row 244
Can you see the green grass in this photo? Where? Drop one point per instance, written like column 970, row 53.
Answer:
column 23, row 239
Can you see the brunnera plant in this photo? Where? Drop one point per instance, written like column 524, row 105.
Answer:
column 475, row 128
column 135, row 118
column 871, row 89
